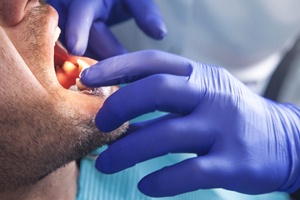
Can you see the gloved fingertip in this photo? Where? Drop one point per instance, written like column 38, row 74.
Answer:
column 88, row 78
column 160, row 33
column 74, row 46
column 83, row 79
column 146, row 188
column 103, row 164
column 104, row 123
column 156, row 28
column 83, row 75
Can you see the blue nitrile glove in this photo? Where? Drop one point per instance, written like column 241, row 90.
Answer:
column 241, row 141
column 84, row 24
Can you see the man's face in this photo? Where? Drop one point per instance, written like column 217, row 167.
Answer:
column 31, row 28
column 38, row 116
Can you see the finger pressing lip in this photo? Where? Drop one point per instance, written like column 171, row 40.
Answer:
column 68, row 69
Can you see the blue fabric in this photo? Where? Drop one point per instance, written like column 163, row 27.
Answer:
column 94, row 185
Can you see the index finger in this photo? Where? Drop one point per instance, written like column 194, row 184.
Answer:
column 147, row 17
column 80, row 18
column 134, row 66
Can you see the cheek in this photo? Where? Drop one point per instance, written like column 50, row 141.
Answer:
column 6, row 10
column 12, row 12
column 34, row 40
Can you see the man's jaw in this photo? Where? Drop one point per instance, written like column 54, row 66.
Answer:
column 34, row 39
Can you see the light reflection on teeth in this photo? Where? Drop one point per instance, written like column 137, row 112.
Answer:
column 82, row 65
column 57, row 33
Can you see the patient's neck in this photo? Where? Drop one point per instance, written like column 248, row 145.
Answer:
column 59, row 185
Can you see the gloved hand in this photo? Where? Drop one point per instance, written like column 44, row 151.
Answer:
column 84, row 24
column 241, row 141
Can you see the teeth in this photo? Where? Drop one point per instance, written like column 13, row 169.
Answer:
column 69, row 68
column 82, row 65
column 80, row 85
column 57, row 33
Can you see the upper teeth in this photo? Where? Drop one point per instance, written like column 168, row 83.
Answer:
column 57, row 33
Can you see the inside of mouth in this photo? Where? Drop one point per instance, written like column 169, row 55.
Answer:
column 68, row 68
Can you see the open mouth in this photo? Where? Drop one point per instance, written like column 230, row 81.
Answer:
column 68, row 69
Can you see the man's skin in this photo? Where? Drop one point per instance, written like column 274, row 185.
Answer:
column 44, row 127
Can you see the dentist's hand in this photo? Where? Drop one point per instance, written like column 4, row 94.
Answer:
column 241, row 141
column 84, row 24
